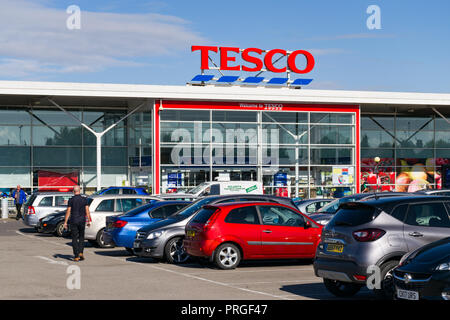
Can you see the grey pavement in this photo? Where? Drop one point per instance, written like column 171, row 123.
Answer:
column 35, row 266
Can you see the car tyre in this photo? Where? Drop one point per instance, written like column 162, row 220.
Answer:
column 227, row 256
column 59, row 230
column 341, row 289
column 175, row 252
column 387, row 290
column 130, row 251
column 101, row 242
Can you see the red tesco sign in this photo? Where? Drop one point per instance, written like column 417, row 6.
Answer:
column 252, row 55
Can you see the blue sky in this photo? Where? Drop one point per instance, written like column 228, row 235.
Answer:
column 148, row 42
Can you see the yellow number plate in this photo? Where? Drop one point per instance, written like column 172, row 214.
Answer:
column 339, row 248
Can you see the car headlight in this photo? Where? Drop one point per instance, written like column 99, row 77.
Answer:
column 155, row 235
column 443, row 267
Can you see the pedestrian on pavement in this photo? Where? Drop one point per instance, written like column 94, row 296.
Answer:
column 78, row 216
column 20, row 197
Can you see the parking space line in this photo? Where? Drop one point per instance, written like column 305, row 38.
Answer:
column 39, row 238
column 214, row 282
column 51, row 261
column 176, row 272
column 263, row 270
column 280, row 281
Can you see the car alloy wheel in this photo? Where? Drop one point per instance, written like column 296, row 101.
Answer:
column 177, row 252
column 60, row 229
column 228, row 256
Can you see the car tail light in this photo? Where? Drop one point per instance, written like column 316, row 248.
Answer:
column 367, row 235
column 31, row 210
column 119, row 224
column 359, row 278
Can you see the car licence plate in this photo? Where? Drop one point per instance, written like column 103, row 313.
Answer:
column 136, row 244
column 191, row 233
column 331, row 247
column 407, row 294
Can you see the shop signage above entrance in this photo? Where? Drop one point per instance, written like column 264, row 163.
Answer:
column 252, row 60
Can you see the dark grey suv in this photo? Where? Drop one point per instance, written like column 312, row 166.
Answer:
column 164, row 239
column 377, row 232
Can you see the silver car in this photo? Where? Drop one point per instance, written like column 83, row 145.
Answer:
column 377, row 233
column 102, row 206
column 41, row 204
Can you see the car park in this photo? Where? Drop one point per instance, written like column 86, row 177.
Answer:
column 102, row 206
column 121, row 230
column 424, row 273
column 377, row 232
column 122, row 190
column 41, row 204
column 231, row 232
column 326, row 213
column 164, row 239
column 310, row 206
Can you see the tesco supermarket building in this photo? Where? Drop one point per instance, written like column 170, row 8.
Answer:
column 308, row 143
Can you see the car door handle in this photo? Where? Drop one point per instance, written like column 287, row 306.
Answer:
column 267, row 231
column 415, row 234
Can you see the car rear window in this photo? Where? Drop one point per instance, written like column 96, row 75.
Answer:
column 203, row 215
column 354, row 214
column 30, row 200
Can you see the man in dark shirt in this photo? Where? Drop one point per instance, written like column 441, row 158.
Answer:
column 77, row 211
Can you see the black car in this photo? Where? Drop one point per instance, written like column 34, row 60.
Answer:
column 54, row 223
column 164, row 239
column 425, row 273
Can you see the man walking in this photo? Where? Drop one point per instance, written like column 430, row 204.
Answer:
column 77, row 211
column 20, row 197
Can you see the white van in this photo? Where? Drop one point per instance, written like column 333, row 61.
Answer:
column 225, row 188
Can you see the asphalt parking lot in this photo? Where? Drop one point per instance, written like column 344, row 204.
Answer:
column 35, row 266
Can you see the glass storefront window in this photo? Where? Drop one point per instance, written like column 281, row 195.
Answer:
column 15, row 116
column 321, row 134
column 12, row 176
column 184, row 115
column 331, row 156
column 57, row 156
column 285, row 117
column 15, row 135
column 54, row 117
column 15, row 156
column 344, row 118
column 284, row 134
column 111, row 156
column 415, row 132
column 234, row 116
column 57, row 136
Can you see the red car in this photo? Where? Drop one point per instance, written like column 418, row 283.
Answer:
column 228, row 233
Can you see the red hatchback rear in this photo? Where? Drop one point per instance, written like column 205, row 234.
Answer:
column 228, row 233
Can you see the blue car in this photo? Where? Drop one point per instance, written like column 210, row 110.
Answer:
column 120, row 230
column 123, row 190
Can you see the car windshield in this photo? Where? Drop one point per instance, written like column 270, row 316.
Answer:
column 334, row 205
column 196, row 189
column 193, row 208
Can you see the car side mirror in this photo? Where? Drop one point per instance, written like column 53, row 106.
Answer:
column 307, row 224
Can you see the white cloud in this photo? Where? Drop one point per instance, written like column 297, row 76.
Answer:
column 35, row 39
